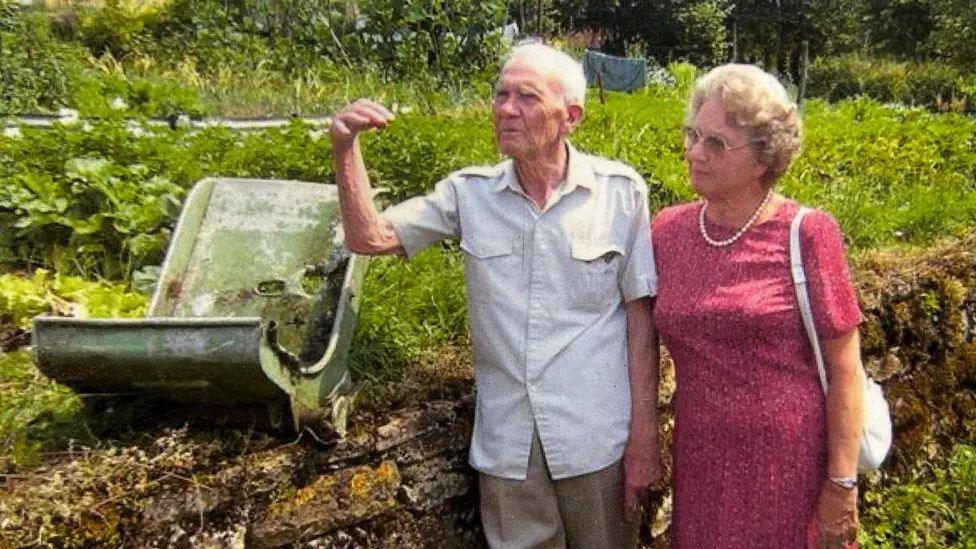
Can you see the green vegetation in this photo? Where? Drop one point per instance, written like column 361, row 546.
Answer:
column 100, row 200
column 935, row 507
column 935, row 86
column 32, row 63
column 22, row 298
column 204, row 57
column 412, row 340
column 37, row 414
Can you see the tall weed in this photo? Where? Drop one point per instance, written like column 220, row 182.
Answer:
column 407, row 310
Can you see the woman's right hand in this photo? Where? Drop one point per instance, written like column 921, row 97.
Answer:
column 834, row 523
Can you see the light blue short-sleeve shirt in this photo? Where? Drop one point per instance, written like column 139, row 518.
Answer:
column 546, row 289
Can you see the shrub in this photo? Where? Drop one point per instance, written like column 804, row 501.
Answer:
column 114, row 29
column 92, row 214
column 934, row 86
column 447, row 40
column 34, row 68
column 683, row 75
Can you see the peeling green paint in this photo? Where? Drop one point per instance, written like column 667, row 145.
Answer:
column 256, row 304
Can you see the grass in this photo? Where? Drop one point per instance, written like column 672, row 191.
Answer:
column 412, row 341
column 261, row 91
column 36, row 413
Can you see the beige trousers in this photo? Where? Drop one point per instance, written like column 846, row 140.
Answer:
column 584, row 512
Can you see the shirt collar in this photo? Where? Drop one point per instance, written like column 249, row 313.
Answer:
column 579, row 173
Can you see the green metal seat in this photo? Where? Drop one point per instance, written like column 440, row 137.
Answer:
column 255, row 305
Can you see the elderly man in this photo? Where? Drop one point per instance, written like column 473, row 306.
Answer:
column 560, row 276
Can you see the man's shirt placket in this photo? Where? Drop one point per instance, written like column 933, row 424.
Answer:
column 542, row 260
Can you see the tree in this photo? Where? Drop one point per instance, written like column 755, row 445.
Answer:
column 701, row 31
column 899, row 28
column 953, row 37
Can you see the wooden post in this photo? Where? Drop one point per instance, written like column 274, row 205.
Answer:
column 521, row 19
column 599, row 83
column 538, row 18
column 735, row 40
column 803, row 73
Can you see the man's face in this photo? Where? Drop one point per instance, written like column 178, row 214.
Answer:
column 530, row 115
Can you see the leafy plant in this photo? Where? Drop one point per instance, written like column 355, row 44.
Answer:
column 117, row 215
column 931, row 508
column 115, row 29
column 22, row 298
column 36, row 413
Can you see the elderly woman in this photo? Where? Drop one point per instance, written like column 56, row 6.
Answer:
column 762, row 458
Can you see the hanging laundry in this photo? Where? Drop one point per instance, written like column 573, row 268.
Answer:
column 617, row 73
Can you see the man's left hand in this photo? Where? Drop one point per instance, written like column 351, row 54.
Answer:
column 642, row 467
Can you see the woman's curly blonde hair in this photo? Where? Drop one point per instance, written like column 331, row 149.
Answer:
column 757, row 102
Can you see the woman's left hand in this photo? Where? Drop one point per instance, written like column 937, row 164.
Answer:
column 834, row 525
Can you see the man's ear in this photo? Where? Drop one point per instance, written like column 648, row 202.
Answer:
column 575, row 113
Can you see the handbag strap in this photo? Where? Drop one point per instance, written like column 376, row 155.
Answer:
column 802, row 297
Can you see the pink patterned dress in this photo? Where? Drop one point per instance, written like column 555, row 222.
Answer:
column 750, row 425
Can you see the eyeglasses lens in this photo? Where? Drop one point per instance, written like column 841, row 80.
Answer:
column 712, row 143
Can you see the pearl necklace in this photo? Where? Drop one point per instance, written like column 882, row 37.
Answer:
column 740, row 232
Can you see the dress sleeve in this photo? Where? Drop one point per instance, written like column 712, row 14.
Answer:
column 832, row 296
column 425, row 220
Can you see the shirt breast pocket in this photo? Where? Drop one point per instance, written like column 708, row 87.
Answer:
column 595, row 267
column 491, row 264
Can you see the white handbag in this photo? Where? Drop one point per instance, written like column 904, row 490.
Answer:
column 876, row 431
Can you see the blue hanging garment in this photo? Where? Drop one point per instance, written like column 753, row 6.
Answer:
column 617, row 73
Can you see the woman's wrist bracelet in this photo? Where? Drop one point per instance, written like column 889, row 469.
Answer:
column 846, row 483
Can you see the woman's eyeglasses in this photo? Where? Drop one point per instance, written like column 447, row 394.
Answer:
column 714, row 144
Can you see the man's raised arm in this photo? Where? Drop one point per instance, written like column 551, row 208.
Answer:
column 366, row 232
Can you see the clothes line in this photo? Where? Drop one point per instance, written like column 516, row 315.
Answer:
column 69, row 117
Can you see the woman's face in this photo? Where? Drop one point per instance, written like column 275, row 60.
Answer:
column 721, row 164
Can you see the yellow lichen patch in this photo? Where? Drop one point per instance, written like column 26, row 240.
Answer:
column 358, row 486
column 349, row 496
column 364, row 483
column 291, row 499
column 954, row 295
column 100, row 527
column 131, row 6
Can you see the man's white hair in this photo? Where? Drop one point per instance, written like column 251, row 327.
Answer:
column 550, row 61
